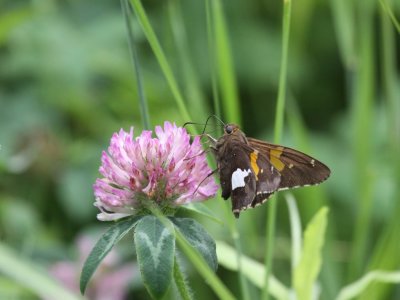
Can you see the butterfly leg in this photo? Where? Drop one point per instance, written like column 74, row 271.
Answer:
column 205, row 178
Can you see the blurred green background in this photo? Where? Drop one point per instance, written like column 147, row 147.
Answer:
column 67, row 83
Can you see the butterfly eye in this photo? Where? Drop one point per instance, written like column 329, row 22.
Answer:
column 229, row 129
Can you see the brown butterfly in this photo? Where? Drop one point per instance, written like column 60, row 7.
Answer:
column 251, row 170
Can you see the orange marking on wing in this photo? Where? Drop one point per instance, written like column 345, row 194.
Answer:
column 253, row 163
column 274, row 156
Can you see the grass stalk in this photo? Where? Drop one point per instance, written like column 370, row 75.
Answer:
column 192, row 90
column 362, row 116
column 162, row 59
column 218, row 44
column 144, row 111
column 389, row 11
column 279, row 116
column 212, row 58
column 385, row 254
column 224, row 62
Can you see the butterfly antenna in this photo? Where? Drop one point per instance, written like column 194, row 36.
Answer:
column 212, row 116
column 191, row 123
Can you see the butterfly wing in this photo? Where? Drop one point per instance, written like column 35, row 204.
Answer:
column 296, row 168
column 236, row 176
column 246, row 175
column 267, row 177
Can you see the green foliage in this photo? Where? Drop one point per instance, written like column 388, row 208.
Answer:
column 28, row 275
column 199, row 239
column 66, row 84
column 252, row 269
column 360, row 286
column 104, row 245
column 307, row 270
column 155, row 248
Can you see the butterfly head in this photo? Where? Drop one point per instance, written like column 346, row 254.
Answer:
column 230, row 128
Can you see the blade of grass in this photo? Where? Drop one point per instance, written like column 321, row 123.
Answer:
column 135, row 61
column 193, row 93
column 356, row 288
column 287, row 5
column 226, row 72
column 389, row 11
column 162, row 59
column 389, row 78
column 212, row 58
column 220, row 57
column 343, row 20
column 315, row 198
column 26, row 274
column 253, row 270
column 362, row 108
column 385, row 254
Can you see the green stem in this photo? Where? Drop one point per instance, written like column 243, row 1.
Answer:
column 224, row 63
column 362, row 115
column 162, row 60
column 233, row 226
column 181, row 283
column 388, row 10
column 135, row 61
column 192, row 90
column 212, row 58
column 287, row 5
column 197, row 260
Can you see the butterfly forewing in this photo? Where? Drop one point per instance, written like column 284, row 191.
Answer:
column 297, row 169
column 251, row 170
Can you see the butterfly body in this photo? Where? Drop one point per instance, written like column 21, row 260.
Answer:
column 251, row 170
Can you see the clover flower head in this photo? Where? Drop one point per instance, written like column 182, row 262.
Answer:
column 167, row 170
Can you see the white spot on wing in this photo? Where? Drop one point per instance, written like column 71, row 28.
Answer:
column 238, row 178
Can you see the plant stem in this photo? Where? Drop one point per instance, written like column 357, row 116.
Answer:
column 287, row 5
column 224, row 63
column 181, row 283
column 388, row 10
column 212, row 58
column 362, row 115
column 197, row 260
column 162, row 59
column 135, row 61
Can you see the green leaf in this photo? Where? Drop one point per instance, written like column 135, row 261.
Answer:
column 356, row 288
column 155, row 248
column 253, row 270
column 103, row 246
column 198, row 238
column 201, row 209
column 306, row 272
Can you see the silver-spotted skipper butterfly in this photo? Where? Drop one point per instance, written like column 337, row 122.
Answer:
column 251, row 170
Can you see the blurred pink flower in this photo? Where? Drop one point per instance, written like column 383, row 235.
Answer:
column 166, row 170
column 110, row 281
